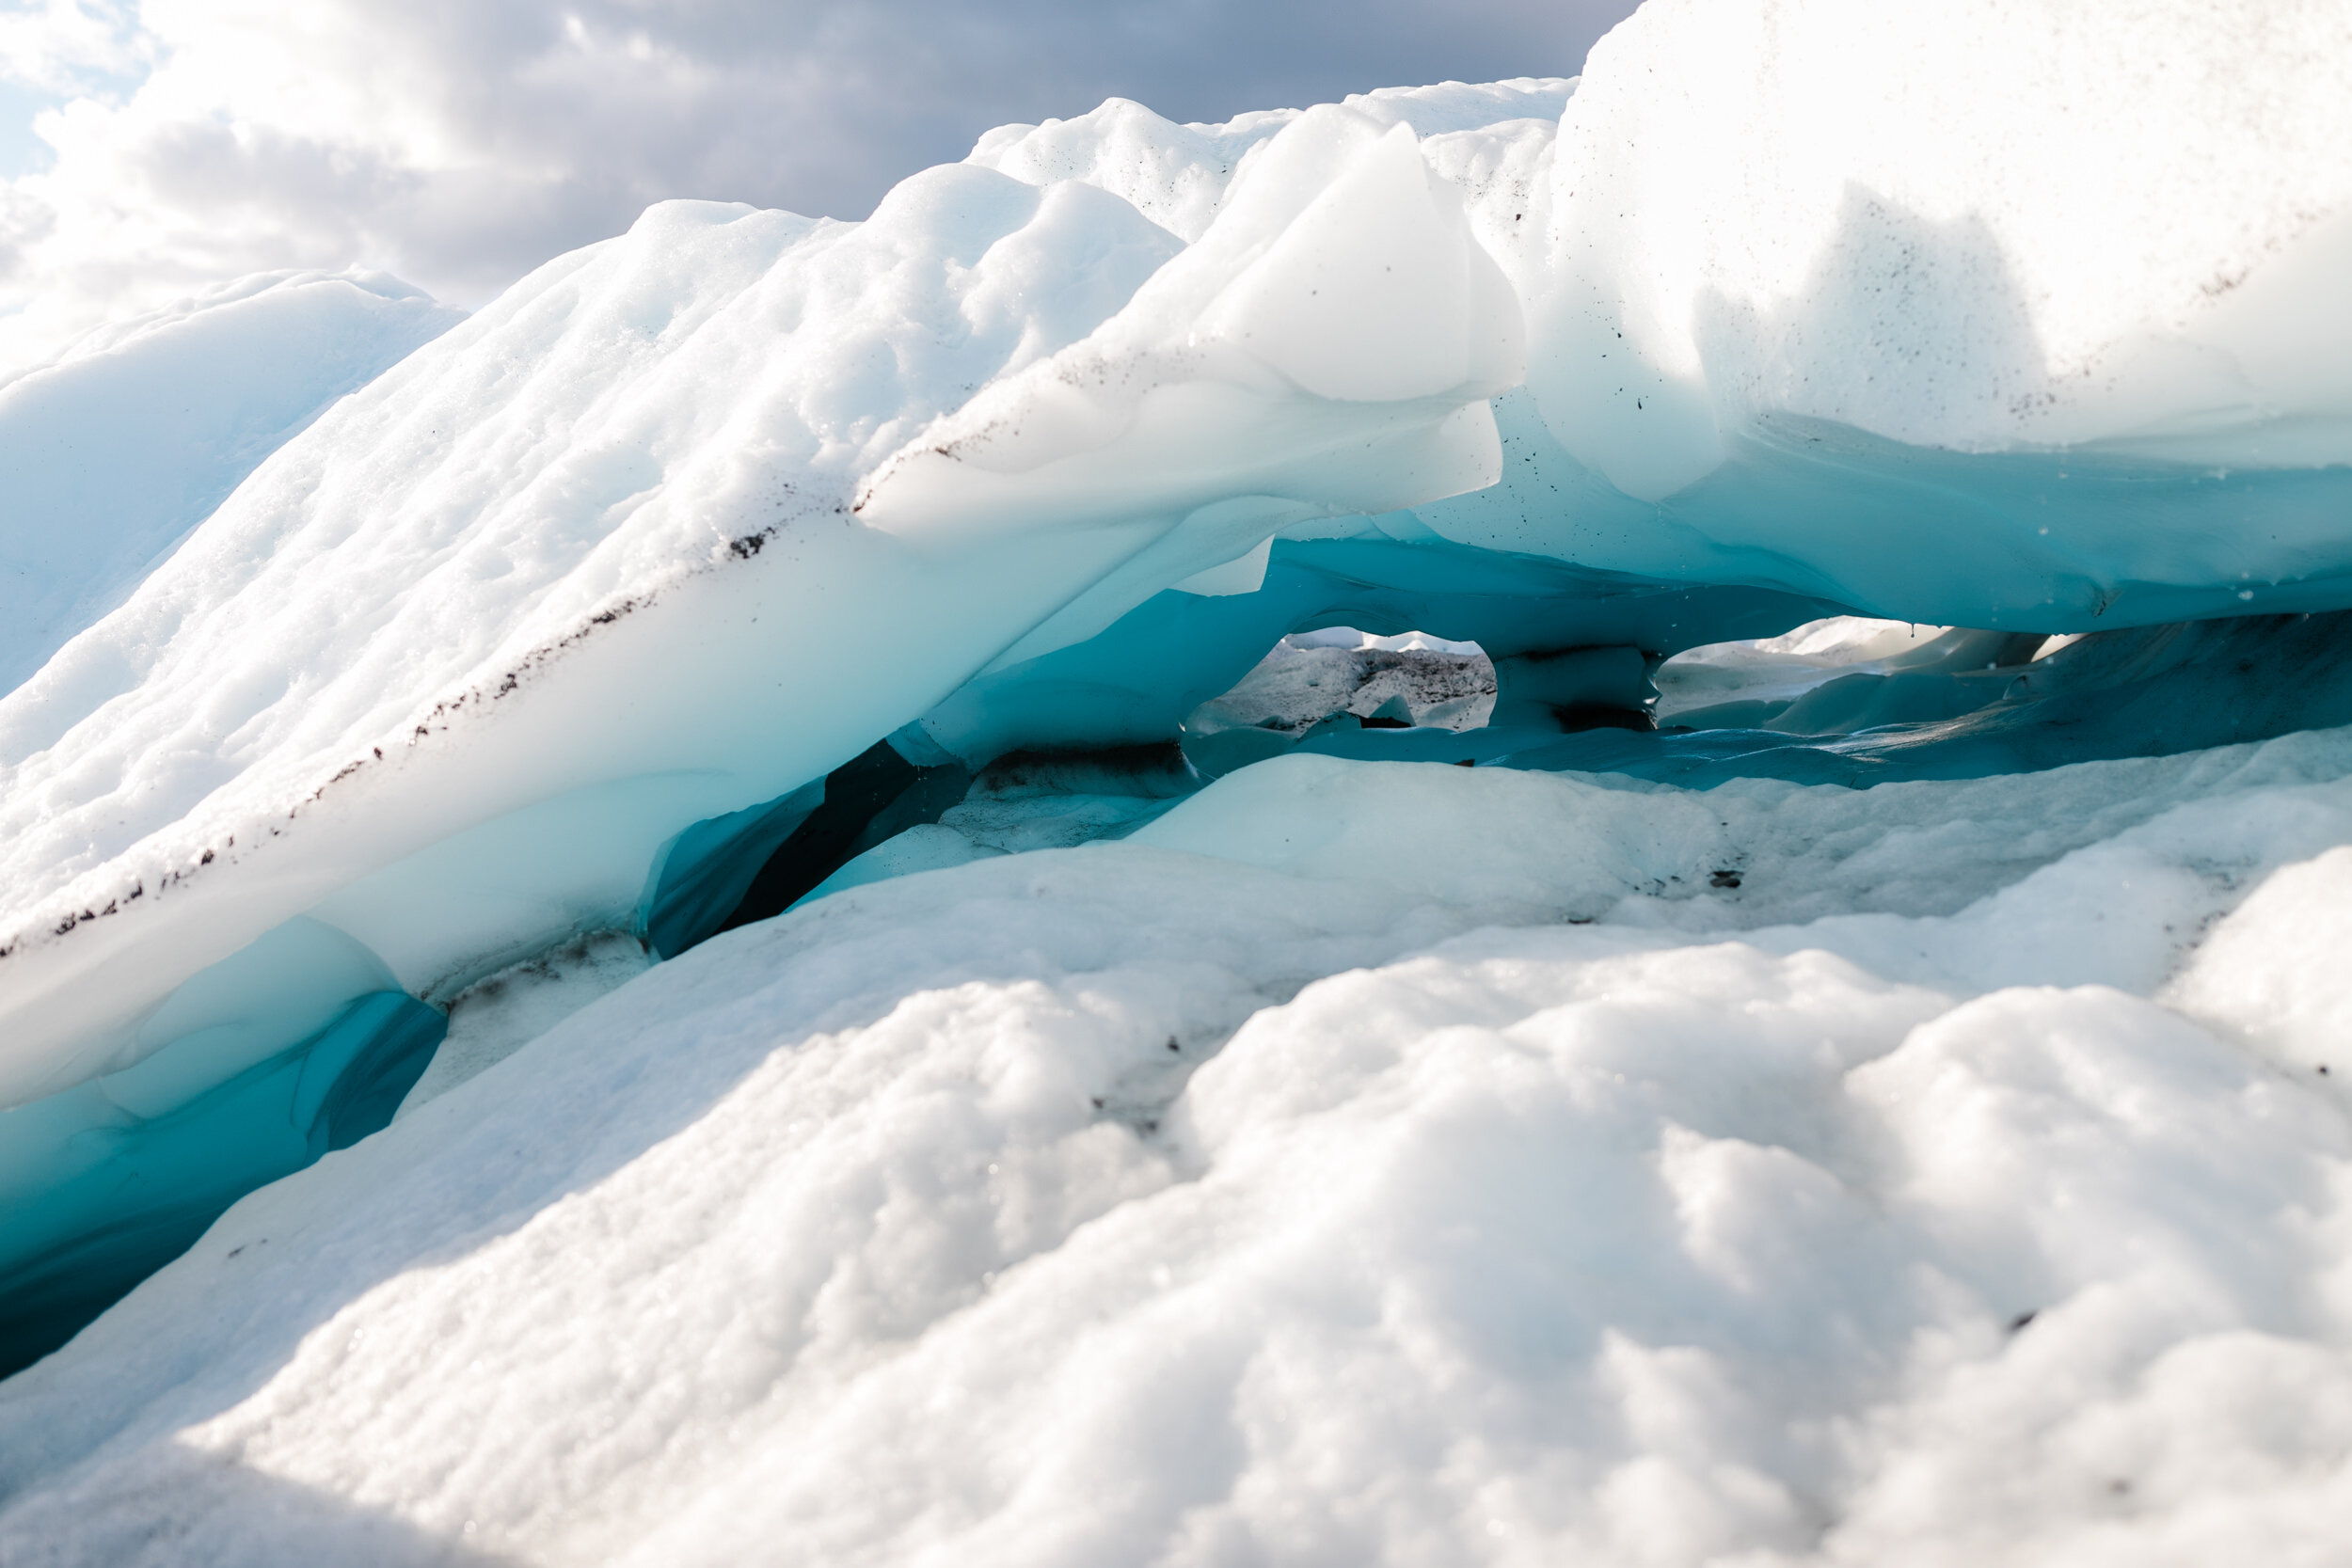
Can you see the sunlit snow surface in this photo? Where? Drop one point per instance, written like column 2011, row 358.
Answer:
column 1888, row 1111
column 1299, row 1182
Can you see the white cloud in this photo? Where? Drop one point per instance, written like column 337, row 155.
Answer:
column 458, row 143
column 58, row 46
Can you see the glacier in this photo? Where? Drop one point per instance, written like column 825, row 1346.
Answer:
column 1560, row 817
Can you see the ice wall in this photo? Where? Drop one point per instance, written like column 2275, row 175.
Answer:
column 2036, row 303
column 457, row 674
column 110, row 455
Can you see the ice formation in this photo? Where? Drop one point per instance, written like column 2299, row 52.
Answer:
column 1868, row 493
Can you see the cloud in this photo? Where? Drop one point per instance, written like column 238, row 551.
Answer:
column 59, row 46
column 457, row 143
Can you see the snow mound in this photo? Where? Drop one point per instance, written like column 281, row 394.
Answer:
column 1820, row 213
column 109, row 456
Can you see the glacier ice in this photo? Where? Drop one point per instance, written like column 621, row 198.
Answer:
column 1896, row 582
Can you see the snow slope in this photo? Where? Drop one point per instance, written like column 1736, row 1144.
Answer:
column 1289, row 1183
column 109, row 456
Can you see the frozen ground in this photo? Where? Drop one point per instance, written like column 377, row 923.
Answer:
column 1538, row 822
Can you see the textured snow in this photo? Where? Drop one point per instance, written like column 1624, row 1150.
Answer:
column 1783, row 224
column 1246, row 1191
column 1177, row 175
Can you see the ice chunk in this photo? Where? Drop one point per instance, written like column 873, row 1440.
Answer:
column 2143, row 692
column 1773, row 671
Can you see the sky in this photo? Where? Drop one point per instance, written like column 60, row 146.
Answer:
column 152, row 147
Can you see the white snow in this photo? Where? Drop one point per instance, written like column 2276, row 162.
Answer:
column 1348, row 637
column 111, row 455
column 1177, row 175
column 1032, row 1211
column 1816, row 209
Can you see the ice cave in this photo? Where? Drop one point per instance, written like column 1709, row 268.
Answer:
column 1575, row 821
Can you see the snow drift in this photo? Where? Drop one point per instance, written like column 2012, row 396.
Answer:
column 746, row 558
column 109, row 456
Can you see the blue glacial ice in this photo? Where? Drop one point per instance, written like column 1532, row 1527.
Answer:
column 745, row 563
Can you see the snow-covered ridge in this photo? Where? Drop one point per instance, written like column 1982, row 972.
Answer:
column 110, row 455
column 1177, row 175
column 654, row 441
column 583, row 600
